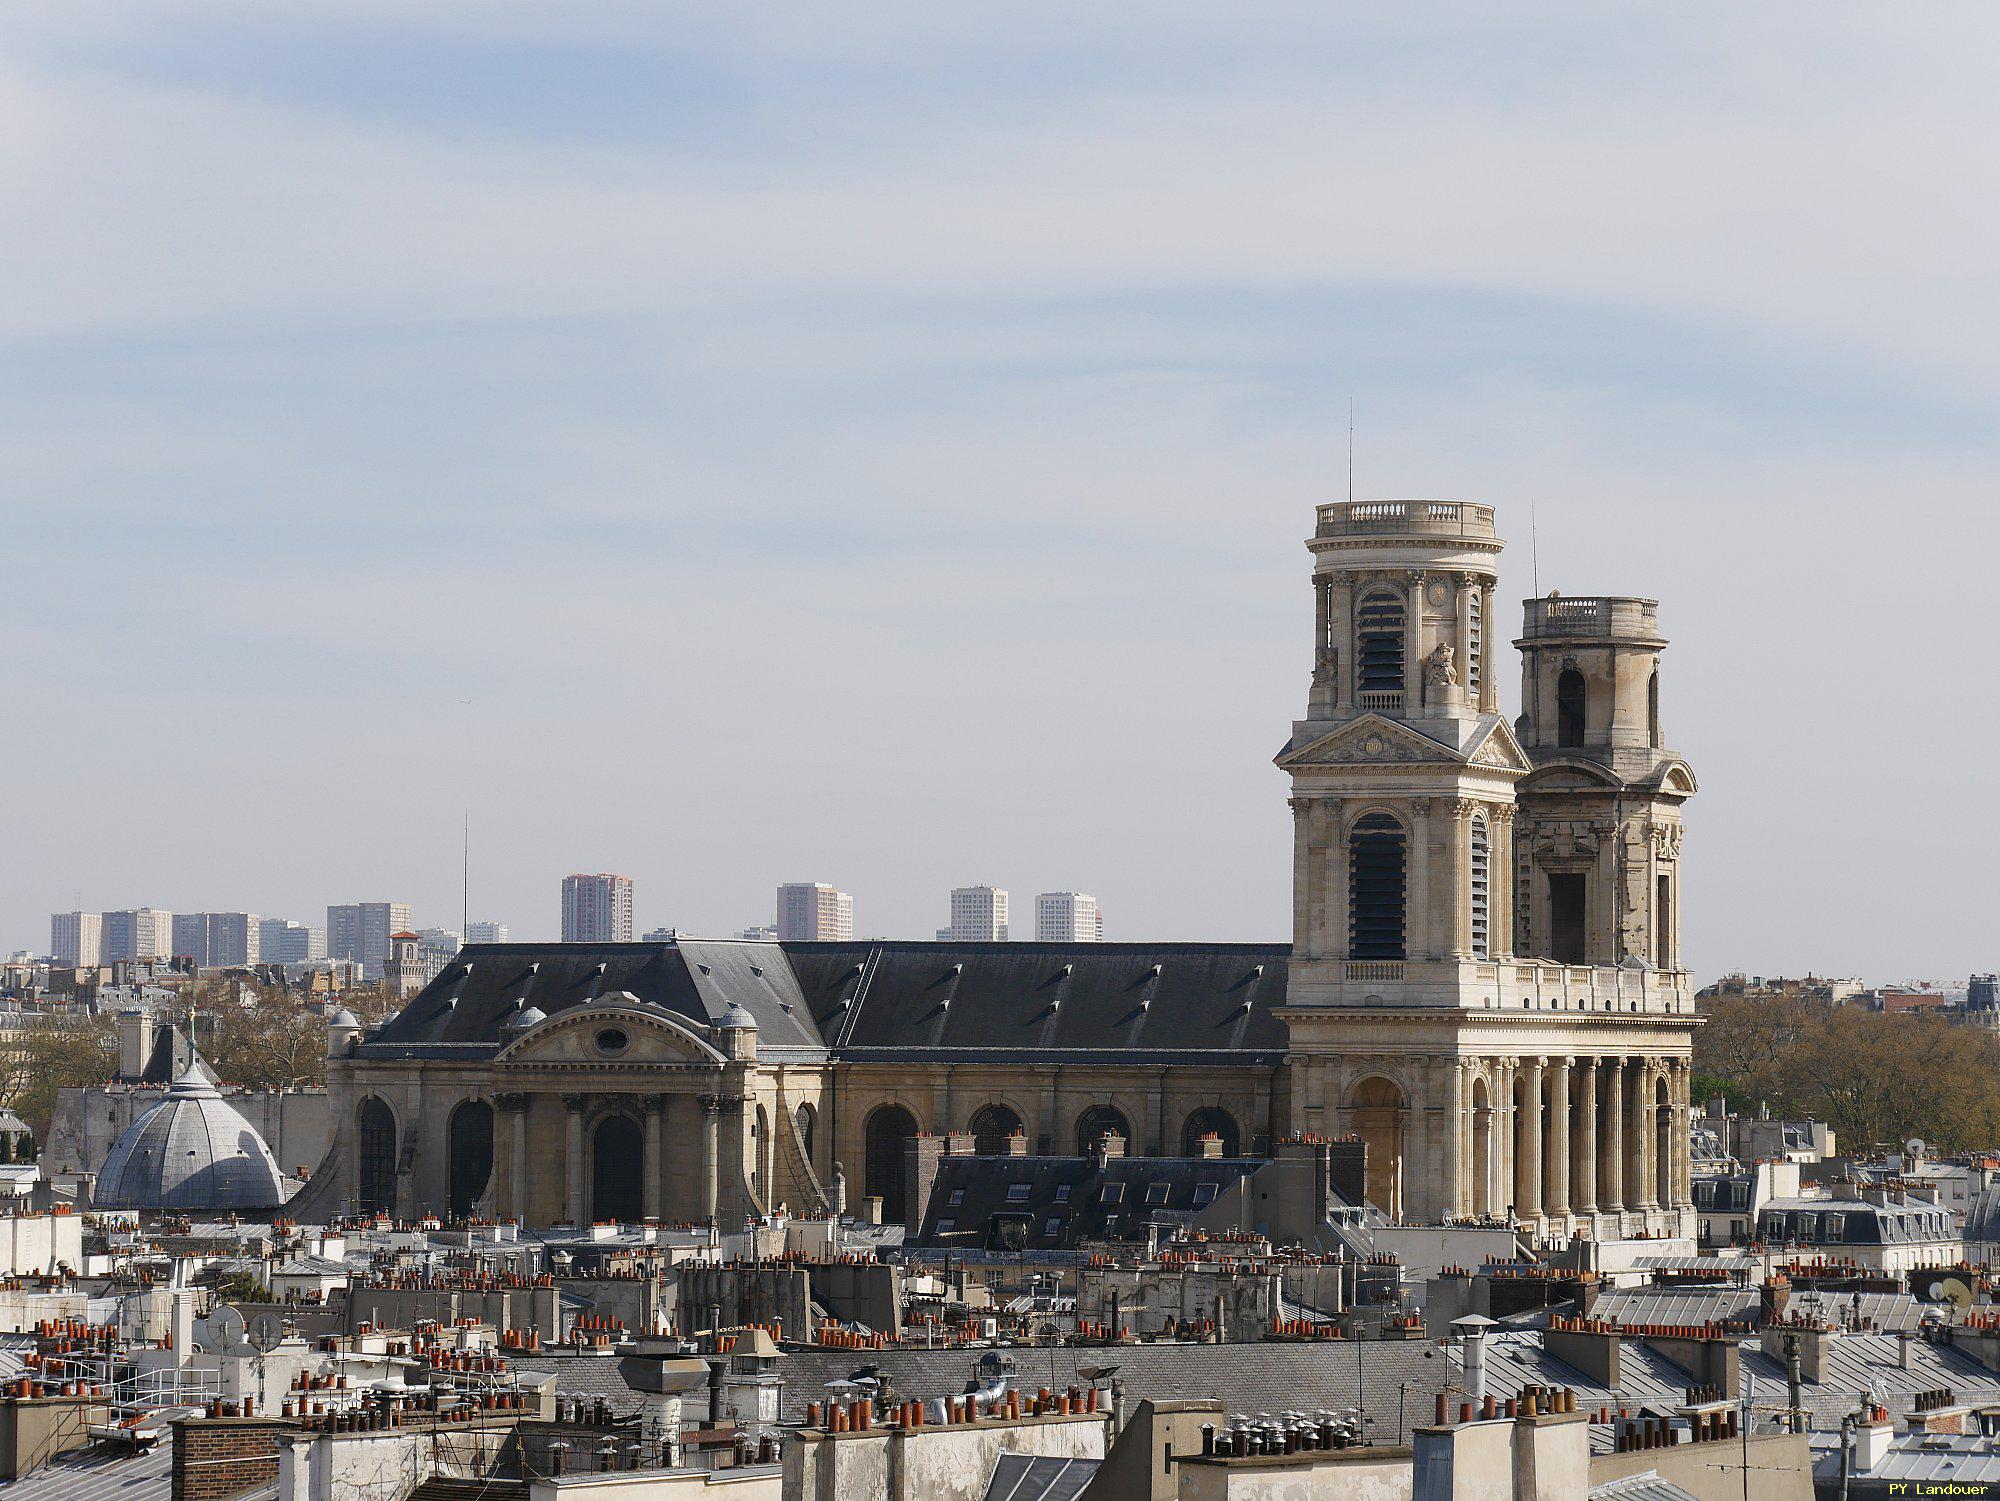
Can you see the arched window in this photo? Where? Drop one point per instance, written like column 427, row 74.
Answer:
column 806, row 1119
column 469, row 1156
column 1210, row 1120
column 1378, row 646
column 889, row 1130
column 1653, row 708
column 1377, row 852
column 1098, row 1121
column 1571, row 696
column 617, row 1158
column 1482, row 947
column 375, row 1191
column 990, row 1126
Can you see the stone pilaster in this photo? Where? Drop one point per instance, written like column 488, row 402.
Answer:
column 1559, row 1138
column 1462, row 811
column 1532, row 1190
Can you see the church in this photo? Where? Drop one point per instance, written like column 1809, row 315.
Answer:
column 1483, row 984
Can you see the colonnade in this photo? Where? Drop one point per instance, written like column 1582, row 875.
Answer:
column 1559, row 1140
column 589, row 1176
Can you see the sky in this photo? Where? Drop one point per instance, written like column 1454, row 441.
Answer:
column 741, row 444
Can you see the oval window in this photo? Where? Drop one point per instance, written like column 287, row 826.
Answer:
column 613, row 1040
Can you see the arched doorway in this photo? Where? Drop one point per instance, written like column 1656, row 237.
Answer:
column 1482, row 1149
column 991, row 1126
column 617, row 1165
column 375, row 1187
column 469, row 1156
column 1211, row 1120
column 1097, row 1122
column 888, row 1132
column 1377, row 1109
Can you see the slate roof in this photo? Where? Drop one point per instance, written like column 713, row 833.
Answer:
column 190, row 1151
column 1012, row 1203
column 1138, row 1002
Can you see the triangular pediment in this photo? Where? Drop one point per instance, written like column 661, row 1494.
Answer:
column 1371, row 740
column 1499, row 749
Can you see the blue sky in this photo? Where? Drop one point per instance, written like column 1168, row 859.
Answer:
column 736, row 444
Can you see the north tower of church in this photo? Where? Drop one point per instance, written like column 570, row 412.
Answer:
column 1487, row 1075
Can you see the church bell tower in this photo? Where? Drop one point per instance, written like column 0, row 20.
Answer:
column 1489, row 1077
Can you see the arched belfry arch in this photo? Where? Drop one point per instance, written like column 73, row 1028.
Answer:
column 1379, row 1111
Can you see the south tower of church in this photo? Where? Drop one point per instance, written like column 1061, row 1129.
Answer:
column 1484, row 978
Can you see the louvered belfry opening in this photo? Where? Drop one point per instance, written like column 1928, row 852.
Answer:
column 1475, row 645
column 1379, row 643
column 1377, row 859
column 1482, row 864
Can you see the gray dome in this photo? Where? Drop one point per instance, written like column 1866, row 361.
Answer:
column 190, row 1151
column 736, row 1016
column 343, row 1018
column 528, row 1018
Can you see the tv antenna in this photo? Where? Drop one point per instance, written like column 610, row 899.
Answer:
column 465, row 879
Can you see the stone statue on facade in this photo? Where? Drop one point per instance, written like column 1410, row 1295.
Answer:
column 1438, row 669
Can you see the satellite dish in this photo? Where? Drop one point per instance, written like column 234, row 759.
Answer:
column 1914, row 1147
column 1952, row 1290
column 267, row 1333
column 225, row 1328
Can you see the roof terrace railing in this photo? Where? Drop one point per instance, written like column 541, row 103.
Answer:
column 1405, row 518
column 1603, row 615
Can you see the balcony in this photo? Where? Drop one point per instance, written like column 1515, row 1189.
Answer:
column 1594, row 618
column 1380, row 700
column 1406, row 518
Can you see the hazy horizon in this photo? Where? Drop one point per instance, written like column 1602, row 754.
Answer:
column 731, row 447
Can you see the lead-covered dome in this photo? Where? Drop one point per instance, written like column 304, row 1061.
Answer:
column 190, row 1151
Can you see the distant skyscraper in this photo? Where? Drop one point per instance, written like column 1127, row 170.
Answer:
column 814, row 910
column 360, row 931
column 282, row 941
column 218, row 939
column 597, row 909
column 1067, row 917
column 436, row 948
column 657, row 935
column 978, row 914
column 76, row 938
column 486, row 932
column 140, row 933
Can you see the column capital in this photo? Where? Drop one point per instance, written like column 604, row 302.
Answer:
column 654, row 1104
column 1415, row 577
column 516, row 1104
column 576, row 1104
column 721, row 1104
column 1463, row 808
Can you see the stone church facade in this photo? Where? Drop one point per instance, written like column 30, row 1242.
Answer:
column 1483, row 981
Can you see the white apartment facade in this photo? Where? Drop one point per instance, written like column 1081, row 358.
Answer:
column 814, row 911
column 978, row 914
column 1068, row 917
column 486, row 932
column 137, row 933
column 76, row 938
column 597, row 908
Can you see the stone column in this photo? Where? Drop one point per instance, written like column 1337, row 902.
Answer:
column 1489, row 689
column 1305, row 918
column 712, row 1107
column 1559, row 1137
column 1451, row 1194
column 1419, row 916
column 655, row 1107
column 1584, row 1191
column 1533, row 1200
column 1611, row 1192
column 1462, row 811
column 1500, row 881
column 1322, row 678
column 514, row 1200
column 1506, row 1189
column 1413, row 645
column 1681, row 1189
column 1643, row 1122
column 1343, row 643
column 575, row 1184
